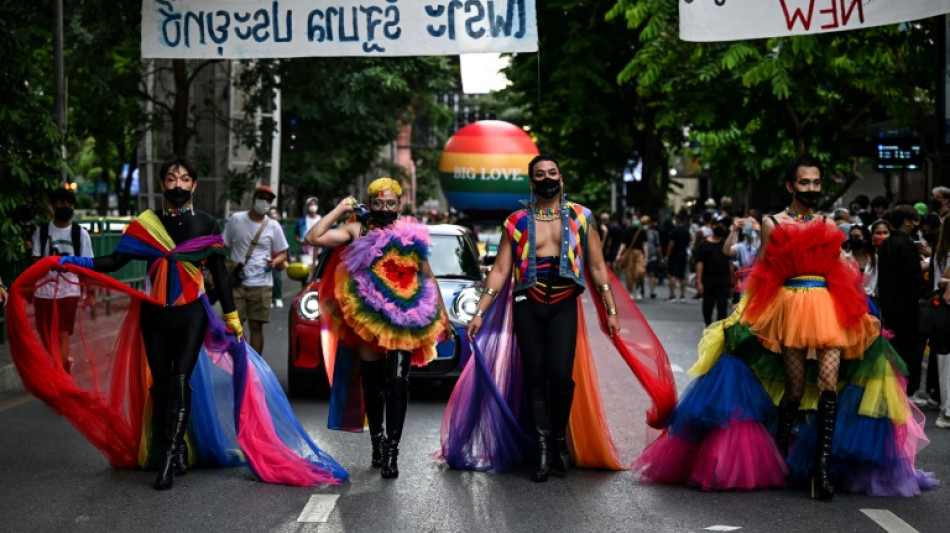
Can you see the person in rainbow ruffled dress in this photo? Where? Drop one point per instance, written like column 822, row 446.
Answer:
column 206, row 386
column 801, row 354
column 384, row 303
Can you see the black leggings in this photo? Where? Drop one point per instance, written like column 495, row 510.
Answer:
column 173, row 337
column 547, row 337
column 715, row 295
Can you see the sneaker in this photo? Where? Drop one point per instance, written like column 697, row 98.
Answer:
column 671, row 300
column 279, row 304
column 682, row 300
column 920, row 398
column 933, row 404
column 943, row 422
column 653, row 296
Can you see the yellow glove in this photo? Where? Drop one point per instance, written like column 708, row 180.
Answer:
column 233, row 321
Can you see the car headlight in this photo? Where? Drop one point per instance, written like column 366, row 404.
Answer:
column 309, row 307
column 465, row 305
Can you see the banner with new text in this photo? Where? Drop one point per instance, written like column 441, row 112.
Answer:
column 733, row 20
column 247, row 29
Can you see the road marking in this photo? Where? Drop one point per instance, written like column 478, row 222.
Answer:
column 676, row 368
column 722, row 528
column 318, row 508
column 889, row 521
column 13, row 402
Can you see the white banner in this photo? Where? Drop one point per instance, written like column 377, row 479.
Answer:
column 732, row 20
column 246, row 29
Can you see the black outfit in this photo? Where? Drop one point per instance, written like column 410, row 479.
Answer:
column 173, row 338
column 545, row 325
column 716, row 280
column 898, row 263
column 676, row 264
column 612, row 242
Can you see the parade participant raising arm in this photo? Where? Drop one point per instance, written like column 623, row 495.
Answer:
column 385, row 303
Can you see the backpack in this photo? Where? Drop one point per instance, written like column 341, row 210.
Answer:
column 75, row 234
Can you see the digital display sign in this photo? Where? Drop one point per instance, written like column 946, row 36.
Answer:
column 898, row 154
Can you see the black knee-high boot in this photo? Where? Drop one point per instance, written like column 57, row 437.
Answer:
column 538, row 408
column 373, row 376
column 561, row 403
column 822, row 487
column 158, row 441
column 181, row 455
column 786, row 419
column 397, row 401
column 178, row 411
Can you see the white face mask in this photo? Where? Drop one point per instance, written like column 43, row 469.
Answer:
column 312, row 209
column 261, row 206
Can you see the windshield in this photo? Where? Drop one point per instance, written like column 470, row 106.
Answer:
column 453, row 256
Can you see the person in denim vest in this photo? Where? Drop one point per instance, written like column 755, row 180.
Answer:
column 546, row 248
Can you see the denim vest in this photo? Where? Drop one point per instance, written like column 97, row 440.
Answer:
column 520, row 226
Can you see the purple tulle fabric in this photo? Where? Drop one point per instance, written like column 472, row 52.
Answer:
column 481, row 428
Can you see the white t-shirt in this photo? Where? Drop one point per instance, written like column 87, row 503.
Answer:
column 868, row 276
column 60, row 284
column 237, row 237
column 309, row 222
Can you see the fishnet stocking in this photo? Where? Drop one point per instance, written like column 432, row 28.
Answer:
column 794, row 359
column 829, row 360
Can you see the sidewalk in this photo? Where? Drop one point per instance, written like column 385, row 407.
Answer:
column 10, row 379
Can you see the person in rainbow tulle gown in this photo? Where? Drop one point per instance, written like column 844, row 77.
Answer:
column 211, row 400
column 383, row 302
column 803, row 356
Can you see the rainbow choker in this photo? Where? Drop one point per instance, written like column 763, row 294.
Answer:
column 799, row 217
column 547, row 214
column 177, row 211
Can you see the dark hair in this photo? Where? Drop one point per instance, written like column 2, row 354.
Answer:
column 881, row 222
column 862, row 200
column 867, row 245
column 177, row 161
column 880, row 201
column 539, row 158
column 931, row 220
column 803, row 160
column 902, row 213
column 62, row 194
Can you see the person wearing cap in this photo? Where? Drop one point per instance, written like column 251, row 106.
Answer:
column 258, row 243
column 59, row 293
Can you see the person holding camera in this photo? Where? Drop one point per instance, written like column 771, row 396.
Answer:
column 256, row 245
column 59, row 294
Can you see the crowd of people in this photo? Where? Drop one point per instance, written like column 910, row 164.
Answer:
column 815, row 314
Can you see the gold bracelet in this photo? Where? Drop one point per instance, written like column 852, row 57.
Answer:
column 489, row 291
column 604, row 288
column 479, row 312
column 612, row 311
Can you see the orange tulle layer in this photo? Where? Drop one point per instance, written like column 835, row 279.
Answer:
column 806, row 318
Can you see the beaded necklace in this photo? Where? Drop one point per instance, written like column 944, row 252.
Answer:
column 177, row 211
column 800, row 217
column 546, row 214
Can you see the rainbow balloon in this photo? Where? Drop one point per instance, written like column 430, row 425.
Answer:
column 484, row 167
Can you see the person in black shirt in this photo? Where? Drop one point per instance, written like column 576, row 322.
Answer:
column 898, row 285
column 676, row 257
column 714, row 272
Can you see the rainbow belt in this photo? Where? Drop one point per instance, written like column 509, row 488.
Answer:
column 806, row 282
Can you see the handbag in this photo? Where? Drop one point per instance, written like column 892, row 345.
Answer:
column 236, row 270
column 934, row 316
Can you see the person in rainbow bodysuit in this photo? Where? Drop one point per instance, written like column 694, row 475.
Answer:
column 842, row 418
column 384, row 302
column 177, row 326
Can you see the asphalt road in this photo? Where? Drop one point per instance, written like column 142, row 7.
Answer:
column 53, row 480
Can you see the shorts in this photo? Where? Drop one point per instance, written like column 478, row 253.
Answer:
column 677, row 267
column 253, row 303
column 654, row 267
column 65, row 312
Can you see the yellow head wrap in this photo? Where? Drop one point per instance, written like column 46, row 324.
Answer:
column 381, row 184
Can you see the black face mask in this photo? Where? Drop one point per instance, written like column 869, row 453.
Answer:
column 720, row 232
column 177, row 197
column 547, row 188
column 935, row 205
column 383, row 217
column 808, row 199
column 63, row 214
column 856, row 243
